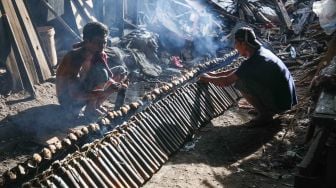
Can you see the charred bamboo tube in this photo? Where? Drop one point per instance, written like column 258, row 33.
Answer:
column 225, row 101
column 178, row 118
column 171, row 125
column 92, row 172
column 182, row 117
column 141, row 134
column 220, row 100
column 159, row 132
column 196, row 92
column 121, row 173
column 168, row 116
column 139, row 165
column 140, row 150
column 223, row 94
column 82, row 172
column 151, row 152
column 187, row 99
column 193, row 94
column 197, row 113
column 235, row 92
column 169, row 137
column 58, row 181
column 165, row 125
column 214, row 97
column 188, row 113
column 100, row 173
column 212, row 103
column 129, row 163
column 76, row 176
column 68, row 178
column 151, row 133
column 229, row 90
column 227, row 95
column 176, row 123
column 114, row 172
column 104, row 163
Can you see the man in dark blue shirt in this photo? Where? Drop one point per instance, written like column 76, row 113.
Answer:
column 263, row 79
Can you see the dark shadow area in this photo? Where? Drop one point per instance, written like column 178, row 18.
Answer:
column 220, row 146
column 19, row 100
column 40, row 123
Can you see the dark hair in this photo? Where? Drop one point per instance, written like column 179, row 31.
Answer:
column 93, row 29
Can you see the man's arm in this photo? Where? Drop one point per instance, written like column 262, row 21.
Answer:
column 222, row 73
column 220, row 81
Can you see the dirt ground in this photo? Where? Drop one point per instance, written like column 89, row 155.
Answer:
column 225, row 153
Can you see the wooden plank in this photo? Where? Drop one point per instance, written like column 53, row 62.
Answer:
column 40, row 60
column 20, row 40
column 7, row 56
column 21, row 53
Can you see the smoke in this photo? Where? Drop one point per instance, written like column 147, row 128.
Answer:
column 180, row 21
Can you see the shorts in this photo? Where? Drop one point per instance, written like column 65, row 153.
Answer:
column 99, row 75
column 259, row 93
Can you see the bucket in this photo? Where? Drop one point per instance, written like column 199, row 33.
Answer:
column 46, row 34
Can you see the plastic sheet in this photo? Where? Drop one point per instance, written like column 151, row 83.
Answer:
column 326, row 11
